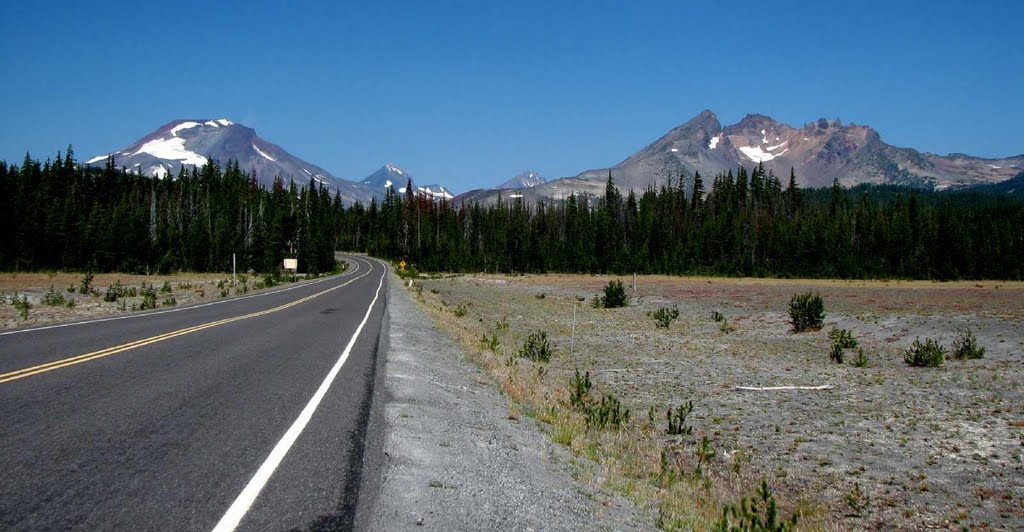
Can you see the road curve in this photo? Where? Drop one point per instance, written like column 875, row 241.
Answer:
column 249, row 412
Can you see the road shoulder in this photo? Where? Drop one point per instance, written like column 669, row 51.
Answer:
column 443, row 454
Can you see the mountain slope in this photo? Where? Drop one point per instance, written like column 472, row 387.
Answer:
column 189, row 143
column 526, row 179
column 819, row 152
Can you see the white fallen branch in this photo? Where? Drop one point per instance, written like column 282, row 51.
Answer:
column 776, row 388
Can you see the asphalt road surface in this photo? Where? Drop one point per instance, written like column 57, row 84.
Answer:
column 247, row 412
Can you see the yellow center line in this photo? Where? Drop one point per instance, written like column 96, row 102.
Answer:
column 71, row 361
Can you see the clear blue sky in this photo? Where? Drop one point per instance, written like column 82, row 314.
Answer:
column 470, row 93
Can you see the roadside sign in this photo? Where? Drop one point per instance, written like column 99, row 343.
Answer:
column 291, row 264
column 401, row 266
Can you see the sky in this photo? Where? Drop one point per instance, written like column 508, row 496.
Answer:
column 470, row 93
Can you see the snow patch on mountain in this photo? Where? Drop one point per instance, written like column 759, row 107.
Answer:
column 172, row 149
column 756, row 154
column 97, row 159
column 714, row 141
column 181, row 126
column 264, row 155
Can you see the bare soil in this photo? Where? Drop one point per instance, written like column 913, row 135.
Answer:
column 928, row 447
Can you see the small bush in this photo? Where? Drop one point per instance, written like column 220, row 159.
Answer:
column 842, row 340
column 966, row 346
column 760, row 513
column 717, row 316
column 85, row 285
column 608, row 413
column 677, row 421
column 857, row 501
column 579, row 391
column 807, row 311
column 460, row 311
column 836, row 354
column 21, row 305
column 664, row 316
column 169, row 302
column 166, row 288
column 148, row 298
column 705, row 453
column 114, row 292
column 489, row 342
column 861, row 360
column 930, row 354
column 614, row 295
column 54, row 298
column 536, row 347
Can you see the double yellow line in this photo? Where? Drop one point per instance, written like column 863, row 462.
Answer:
column 65, row 362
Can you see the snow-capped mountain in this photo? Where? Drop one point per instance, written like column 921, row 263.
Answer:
column 188, row 143
column 819, row 152
column 526, row 179
column 392, row 176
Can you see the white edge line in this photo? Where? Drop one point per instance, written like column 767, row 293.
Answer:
column 244, row 501
column 181, row 309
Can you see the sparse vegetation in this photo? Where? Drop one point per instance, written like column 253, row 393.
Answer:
column 536, row 347
column 663, row 317
column 861, row 360
column 85, row 285
column 807, row 312
column 759, row 513
column 22, row 305
column 53, row 298
column 966, row 346
column 842, row 340
column 677, row 421
column 930, row 354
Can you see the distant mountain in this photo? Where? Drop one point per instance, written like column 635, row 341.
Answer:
column 188, row 143
column 392, row 176
column 527, row 179
column 819, row 152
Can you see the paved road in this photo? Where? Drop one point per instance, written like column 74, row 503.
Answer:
column 250, row 411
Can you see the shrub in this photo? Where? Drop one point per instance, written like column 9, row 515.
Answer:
column 966, row 346
column 460, row 311
column 489, row 342
column 608, row 413
column 614, row 295
column 148, row 298
column 664, row 316
column 170, row 302
column 677, row 421
column 930, row 354
column 21, row 305
column 861, row 360
column 166, row 288
column 536, row 347
column 842, row 339
column 705, row 453
column 807, row 311
column 717, row 316
column 114, row 292
column 85, row 285
column 760, row 513
column 53, row 298
column 579, row 391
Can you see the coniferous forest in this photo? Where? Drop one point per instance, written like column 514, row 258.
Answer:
column 749, row 225
column 60, row 215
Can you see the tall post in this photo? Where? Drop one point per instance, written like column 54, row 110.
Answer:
column 572, row 338
column 232, row 269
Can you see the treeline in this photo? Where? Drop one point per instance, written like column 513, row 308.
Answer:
column 60, row 215
column 745, row 224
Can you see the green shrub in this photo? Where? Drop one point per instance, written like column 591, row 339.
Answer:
column 966, row 346
column 489, row 342
column 85, row 285
column 664, row 316
column 536, row 347
column 717, row 316
column 114, row 292
column 460, row 311
column 53, row 298
column 148, row 298
column 758, row 513
column 169, row 302
column 930, row 354
column 861, row 360
column 166, row 288
column 608, row 413
column 21, row 305
column 807, row 311
column 579, row 391
column 614, row 295
column 842, row 339
column 677, row 421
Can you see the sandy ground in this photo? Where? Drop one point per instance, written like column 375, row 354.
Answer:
column 184, row 288
column 929, row 447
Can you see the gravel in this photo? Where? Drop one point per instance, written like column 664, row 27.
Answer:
column 443, row 453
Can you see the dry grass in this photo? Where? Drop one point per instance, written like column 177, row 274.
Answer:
column 922, row 443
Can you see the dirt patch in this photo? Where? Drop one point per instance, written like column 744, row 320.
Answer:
column 928, row 447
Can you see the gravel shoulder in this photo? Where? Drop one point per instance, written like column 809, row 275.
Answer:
column 448, row 452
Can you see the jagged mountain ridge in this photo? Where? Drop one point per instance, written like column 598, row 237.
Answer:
column 819, row 152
